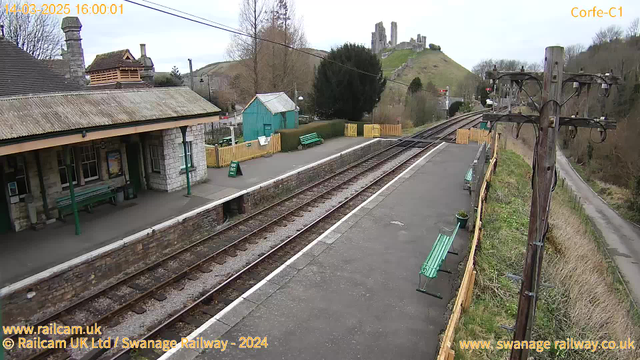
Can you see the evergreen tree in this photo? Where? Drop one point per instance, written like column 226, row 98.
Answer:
column 176, row 77
column 415, row 86
column 340, row 92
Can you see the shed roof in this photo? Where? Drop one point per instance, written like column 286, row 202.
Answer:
column 114, row 60
column 275, row 102
column 21, row 73
column 25, row 116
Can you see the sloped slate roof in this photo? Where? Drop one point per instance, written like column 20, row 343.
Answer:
column 21, row 73
column 24, row 116
column 276, row 102
column 113, row 60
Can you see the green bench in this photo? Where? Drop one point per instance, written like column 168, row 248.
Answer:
column 435, row 259
column 85, row 199
column 310, row 139
column 467, row 179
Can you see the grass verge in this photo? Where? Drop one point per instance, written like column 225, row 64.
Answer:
column 586, row 302
column 413, row 130
column 617, row 197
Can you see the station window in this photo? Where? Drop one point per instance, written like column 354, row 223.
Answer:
column 89, row 162
column 189, row 156
column 62, row 169
column 154, row 153
column 17, row 177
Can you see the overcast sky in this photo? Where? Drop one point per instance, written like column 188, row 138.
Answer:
column 468, row 31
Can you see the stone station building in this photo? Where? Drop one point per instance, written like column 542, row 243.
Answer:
column 115, row 138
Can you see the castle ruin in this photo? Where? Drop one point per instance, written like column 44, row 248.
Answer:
column 379, row 41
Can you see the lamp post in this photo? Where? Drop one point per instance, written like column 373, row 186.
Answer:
column 208, row 86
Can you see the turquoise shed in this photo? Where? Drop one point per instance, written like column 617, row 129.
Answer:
column 267, row 113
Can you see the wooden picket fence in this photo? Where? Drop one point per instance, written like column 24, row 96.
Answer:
column 390, row 130
column 464, row 136
column 465, row 293
column 223, row 156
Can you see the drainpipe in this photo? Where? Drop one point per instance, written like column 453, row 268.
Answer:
column 183, row 129
column 43, row 190
column 72, row 194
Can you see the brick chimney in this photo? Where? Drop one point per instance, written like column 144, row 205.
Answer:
column 149, row 71
column 74, row 54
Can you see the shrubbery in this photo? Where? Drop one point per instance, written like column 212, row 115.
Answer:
column 290, row 138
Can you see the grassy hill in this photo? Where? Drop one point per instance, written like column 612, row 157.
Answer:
column 428, row 65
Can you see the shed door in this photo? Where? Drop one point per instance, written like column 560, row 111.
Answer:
column 268, row 130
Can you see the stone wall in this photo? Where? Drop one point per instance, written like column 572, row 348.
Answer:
column 286, row 186
column 97, row 272
column 172, row 143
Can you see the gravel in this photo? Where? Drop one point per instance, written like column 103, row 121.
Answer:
column 134, row 325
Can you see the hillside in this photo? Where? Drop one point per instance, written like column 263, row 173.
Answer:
column 429, row 65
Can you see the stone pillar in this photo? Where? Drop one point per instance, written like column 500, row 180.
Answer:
column 148, row 71
column 74, row 54
column 394, row 34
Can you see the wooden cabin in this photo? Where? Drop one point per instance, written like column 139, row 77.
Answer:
column 113, row 67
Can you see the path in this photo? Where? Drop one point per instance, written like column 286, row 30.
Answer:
column 622, row 237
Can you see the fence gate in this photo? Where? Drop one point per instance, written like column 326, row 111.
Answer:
column 351, row 130
column 462, row 136
column 372, row 130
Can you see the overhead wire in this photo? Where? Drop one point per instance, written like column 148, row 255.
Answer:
column 216, row 25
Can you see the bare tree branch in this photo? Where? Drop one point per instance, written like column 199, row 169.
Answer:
column 37, row 34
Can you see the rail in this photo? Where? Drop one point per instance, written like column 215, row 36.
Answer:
column 208, row 297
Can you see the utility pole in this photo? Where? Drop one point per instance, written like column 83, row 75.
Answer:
column 549, row 122
column 543, row 182
column 190, row 74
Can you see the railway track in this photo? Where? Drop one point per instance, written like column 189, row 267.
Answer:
column 173, row 272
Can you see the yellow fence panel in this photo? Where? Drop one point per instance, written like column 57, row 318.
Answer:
column 462, row 136
column 241, row 152
column 390, row 130
column 372, row 130
column 351, row 130
column 479, row 136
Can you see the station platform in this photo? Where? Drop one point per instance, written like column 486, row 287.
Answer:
column 29, row 252
column 352, row 292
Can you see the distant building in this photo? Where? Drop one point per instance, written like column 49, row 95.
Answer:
column 379, row 40
column 117, row 67
column 394, row 34
column 267, row 113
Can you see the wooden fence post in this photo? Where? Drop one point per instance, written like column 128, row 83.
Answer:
column 469, row 294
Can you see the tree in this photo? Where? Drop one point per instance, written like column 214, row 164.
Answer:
column 482, row 67
column 246, row 49
column 39, row 35
column 173, row 79
column 431, row 88
column 175, row 76
column 571, row 52
column 348, row 92
column 415, row 85
column 422, row 108
column 284, row 68
column 634, row 28
column 609, row 34
column 467, row 86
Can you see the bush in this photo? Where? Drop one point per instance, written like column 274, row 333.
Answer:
column 453, row 109
column 290, row 138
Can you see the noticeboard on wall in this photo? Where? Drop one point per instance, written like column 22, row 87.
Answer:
column 114, row 163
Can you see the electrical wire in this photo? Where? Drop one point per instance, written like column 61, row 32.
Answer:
column 229, row 29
